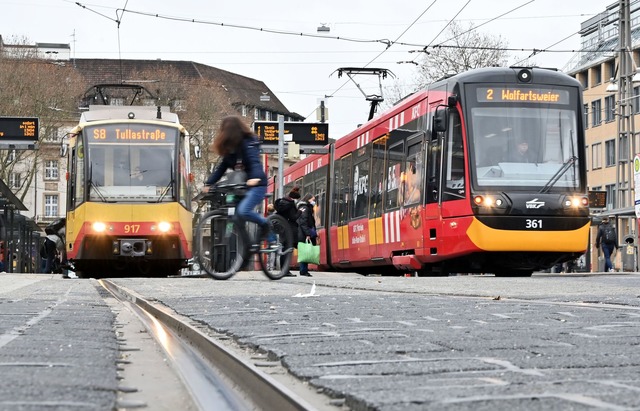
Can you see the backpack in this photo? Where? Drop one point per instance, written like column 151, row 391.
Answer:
column 286, row 208
column 608, row 234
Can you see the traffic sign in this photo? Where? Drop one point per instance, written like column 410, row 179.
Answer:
column 316, row 134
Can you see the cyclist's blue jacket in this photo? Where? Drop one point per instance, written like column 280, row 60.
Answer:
column 250, row 159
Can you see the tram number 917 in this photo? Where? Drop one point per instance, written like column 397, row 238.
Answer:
column 131, row 228
column 533, row 223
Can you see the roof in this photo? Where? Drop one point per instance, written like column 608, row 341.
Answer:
column 7, row 197
column 241, row 90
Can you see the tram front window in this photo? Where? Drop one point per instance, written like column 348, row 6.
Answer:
column 132, row 171
column 524, row 147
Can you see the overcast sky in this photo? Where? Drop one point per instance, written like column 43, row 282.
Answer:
column 298, row 67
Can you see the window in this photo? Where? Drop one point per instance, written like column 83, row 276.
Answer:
column 611, row 195
column 610, row 152
column 596, row 156
column 14, row 180
column 51, row 205
column 609, row 108
column 596, row 114
column 623, row 148
column 586, row 116
column 52, row 134
column 636, row 100
column 596, row 75
column 244, row 111
column 611, row 69
column 51, row 170
column 454, row 187
column 256, row 114
column 116, row 101
column 582, row 78
column 360, row 176
column 11, row 156
column 393, row 174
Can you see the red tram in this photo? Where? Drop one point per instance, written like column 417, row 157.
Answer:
column 482, row 172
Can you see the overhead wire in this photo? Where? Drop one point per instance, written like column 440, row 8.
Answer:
column 388, row 46
column 386, row 42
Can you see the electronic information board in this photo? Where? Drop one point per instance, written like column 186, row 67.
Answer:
column 19, row 129
column 307, row 134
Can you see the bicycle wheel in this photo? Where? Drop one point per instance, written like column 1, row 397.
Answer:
column 275, row 255
column 221, row 244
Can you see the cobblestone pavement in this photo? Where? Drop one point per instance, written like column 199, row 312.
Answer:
column 550, row 342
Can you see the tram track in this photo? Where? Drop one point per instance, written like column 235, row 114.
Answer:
column 213, row 373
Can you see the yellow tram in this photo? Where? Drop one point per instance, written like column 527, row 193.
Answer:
column 128, row 193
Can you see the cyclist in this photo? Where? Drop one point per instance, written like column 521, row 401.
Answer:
column 234, row 142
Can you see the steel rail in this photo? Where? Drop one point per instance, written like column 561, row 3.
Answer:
column 204, row 378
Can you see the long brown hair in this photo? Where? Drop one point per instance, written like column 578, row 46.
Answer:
column 230, row 134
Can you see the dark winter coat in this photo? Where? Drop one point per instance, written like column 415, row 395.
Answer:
column 306, row 223
column 250, row 153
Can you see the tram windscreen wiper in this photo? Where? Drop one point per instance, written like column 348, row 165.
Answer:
column 554, row 179
column 168, row 187
column 95, row 187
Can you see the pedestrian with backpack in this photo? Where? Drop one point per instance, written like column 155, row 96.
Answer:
column 607, row 238
column 286, row 207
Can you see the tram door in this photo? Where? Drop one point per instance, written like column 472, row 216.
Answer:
column 377, row 186
column 342, row 204
column 433, row 189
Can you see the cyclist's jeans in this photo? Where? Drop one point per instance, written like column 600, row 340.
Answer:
column 246, row 207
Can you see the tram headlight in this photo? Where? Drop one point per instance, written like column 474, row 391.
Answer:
column 164, row 227
column 576, row 202
column 99, row 227
column 490, row 203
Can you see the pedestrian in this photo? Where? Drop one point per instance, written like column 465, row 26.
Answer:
column 306, row 226
column 236, row 144
column 287, row 208
column 607, row 238
column 271, row 259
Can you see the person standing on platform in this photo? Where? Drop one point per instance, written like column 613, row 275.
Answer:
column 306, row 226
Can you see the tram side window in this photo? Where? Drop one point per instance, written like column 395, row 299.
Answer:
column 393, row 172
column 342, row 191
column 321, row 198
column 454, row 161
column 78, row 173
column 377, row 178
column 183, row 166
column 361, row 182
column 433, row 170
column 411, row 180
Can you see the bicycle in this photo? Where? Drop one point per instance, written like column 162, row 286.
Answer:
column 224, row 242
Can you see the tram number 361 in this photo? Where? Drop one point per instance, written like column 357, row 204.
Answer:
column 532, row 223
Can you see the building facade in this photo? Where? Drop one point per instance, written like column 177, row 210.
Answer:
column 610, row 51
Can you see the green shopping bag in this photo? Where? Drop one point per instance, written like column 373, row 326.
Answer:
column 308, row 253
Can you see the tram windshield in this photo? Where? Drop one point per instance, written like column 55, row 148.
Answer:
column 131, row 162
column 525, row 144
